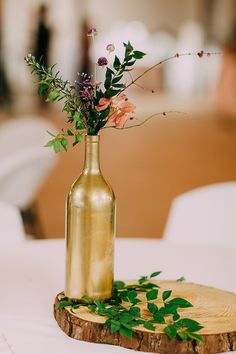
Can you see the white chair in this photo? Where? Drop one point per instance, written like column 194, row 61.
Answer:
column 11, row 225
column 24, row 163
column 204, row 215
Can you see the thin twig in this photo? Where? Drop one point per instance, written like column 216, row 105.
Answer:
column 143, row 122
column 199, row 54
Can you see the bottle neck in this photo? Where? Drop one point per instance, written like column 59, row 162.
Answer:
column 91, row 161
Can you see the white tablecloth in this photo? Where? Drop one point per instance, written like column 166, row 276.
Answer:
column 32, row 273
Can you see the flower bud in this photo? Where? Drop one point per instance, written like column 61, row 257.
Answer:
column 110, row 47
column 102, row 61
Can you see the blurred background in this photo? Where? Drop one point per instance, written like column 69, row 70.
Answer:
column 149, row 165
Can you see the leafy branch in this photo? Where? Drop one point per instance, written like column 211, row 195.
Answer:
column 133, row 305
column 177, row 55
column 52, row 88
column 89, row 106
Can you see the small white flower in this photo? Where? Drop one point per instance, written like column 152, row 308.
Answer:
column 110, row 47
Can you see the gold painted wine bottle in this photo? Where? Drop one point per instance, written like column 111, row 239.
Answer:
column 90, row 229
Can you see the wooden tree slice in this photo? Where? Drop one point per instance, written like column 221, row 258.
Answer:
column 213, row 308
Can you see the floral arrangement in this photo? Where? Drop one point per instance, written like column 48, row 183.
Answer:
column 89, row 104
column 92, row 105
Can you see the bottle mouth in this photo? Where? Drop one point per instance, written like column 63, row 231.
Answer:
column 92, row 138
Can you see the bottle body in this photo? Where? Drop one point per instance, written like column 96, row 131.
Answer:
column 90, row 229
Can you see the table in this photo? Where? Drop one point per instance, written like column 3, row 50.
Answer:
column 32, row 273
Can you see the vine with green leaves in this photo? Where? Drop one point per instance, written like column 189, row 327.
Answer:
column 123, row 315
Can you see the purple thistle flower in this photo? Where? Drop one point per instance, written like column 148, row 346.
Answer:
column 85, row 95
column 102, row 61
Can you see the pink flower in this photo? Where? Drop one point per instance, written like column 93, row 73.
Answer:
column 103, row 103
column 119, row 118
column 127, row 107
column 120, row 97
column 110, row 47
column 120, row 108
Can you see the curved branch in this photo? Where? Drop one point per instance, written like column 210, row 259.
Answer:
column 177, row 55
column 143, row 122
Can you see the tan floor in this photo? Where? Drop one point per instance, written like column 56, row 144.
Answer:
column 147, row 167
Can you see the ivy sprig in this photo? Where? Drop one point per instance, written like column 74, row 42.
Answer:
column 123, row 315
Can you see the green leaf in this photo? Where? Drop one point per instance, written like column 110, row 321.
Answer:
column 77, row 116
column 80, row 125
column 63, row 304
column 135, row 311
column 189, row 324
column 104, row 113
column 78, row 138
column 107, row 83
column 152, row 294
column 86, row 299
column 196, row 336
column 179, row 302
column 52, row 96
column 170, row 331
column 118, row 284
column 130, row 63
column 64, row 143
column 176, row 316
column 116, row 63
column 116, row 79
column 143, row 279
column 115, row 326
column 110, row 93
column 135, row 301
column 154, row 274
column 126, row 317
column 132, row 294
column 69, row 132
column 166, row 294
column 92, row 307
column 76, row 306
column 149, row 285
column 42, row 89
column 183, row 335
column 138, row 55
column 57, row 145
column 152, row 307
column 149, row 326
column 128, row 332
column 49, row 143
column 158, row 318
column 118, row 86
column 99, row 304
column 128, row 48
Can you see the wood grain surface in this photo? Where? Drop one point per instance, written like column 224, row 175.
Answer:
column 215, row 309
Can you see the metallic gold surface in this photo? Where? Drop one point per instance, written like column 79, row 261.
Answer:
column 90, row 230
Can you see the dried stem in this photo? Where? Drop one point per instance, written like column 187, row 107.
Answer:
column 143, row 122
column 199, row 54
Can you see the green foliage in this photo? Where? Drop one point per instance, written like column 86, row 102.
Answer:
column 184, row 329
column 81, row 110
column 122, row 314
column 58, row 142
